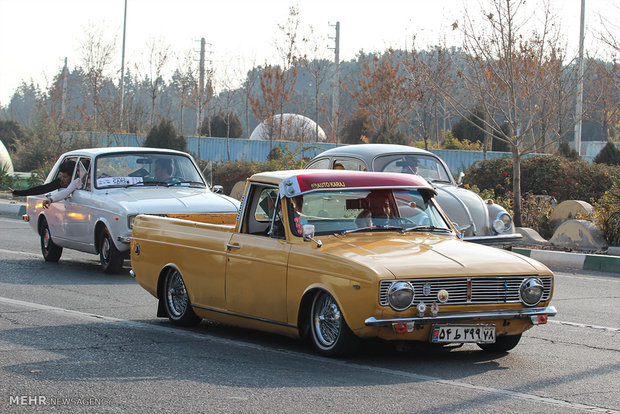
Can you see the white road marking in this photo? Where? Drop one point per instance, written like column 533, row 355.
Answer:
column 387, row 371
column 20, row 253
column 584, row 325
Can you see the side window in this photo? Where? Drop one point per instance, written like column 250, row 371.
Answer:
column 349, row 164
column 321, row 164
column 84, row 168
column 263, row 210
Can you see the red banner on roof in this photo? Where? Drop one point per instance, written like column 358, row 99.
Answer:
column 341, row 180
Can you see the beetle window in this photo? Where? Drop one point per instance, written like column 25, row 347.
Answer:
column 321, row 164
column 349, row 164
column 428, row 167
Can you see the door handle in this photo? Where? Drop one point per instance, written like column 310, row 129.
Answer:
column 229, row 246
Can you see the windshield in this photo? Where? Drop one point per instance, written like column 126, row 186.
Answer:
column 146, row 169
column 365, row 210
column 427, row 166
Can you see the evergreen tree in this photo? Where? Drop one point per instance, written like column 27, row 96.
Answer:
column 224, row 125
column 163, row 135
column 610, row 155
column 564, row 150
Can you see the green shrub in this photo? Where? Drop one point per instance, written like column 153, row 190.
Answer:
column 558, row 177
column 163, row 135
column 607, row 213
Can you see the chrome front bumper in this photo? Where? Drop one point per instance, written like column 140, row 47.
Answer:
column 468, row 316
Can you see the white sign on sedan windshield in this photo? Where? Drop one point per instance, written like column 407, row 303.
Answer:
column 112, row 181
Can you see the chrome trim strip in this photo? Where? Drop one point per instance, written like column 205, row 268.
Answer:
column 500, row 238
column 124, row 239
column 472, row 316
column 244, row 316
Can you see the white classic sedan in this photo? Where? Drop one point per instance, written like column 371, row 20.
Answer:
column 117, row 185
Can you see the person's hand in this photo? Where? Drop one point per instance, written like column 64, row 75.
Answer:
column 12, row 190
column 46, row 203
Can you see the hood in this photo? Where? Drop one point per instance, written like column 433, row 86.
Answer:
column 427, row 255
column 464, row 206
column 171, row 200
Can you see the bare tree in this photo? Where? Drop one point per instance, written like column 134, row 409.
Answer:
column 156, row 58
column 509, row 75
column 384, row 92
column 316, row 61
column 97, row 54
column 183, row 79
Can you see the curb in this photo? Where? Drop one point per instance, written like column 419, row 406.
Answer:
column 16, row 209
column 580, row 261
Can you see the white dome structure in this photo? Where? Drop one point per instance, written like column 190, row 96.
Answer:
column 295, row 127
column 6, row 164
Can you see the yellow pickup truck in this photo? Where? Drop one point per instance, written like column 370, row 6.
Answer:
column 335, row 256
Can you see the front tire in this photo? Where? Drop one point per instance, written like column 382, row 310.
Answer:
column 176, row 300
column 50, row 250
column 502, row 343
column 109, row 256
column 330, row 333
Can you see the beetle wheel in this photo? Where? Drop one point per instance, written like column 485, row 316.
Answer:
column 176, row 300
column 50, row 250
column 331, row 335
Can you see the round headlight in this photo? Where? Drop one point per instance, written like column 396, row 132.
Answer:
column 401, row 295
column 502, row 223
column 531, row 291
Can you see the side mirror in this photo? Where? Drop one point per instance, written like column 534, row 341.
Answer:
column 217, row 189
column 460, row 180
column 308, row 234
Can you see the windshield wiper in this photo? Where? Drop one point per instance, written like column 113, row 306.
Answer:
column 371, row 228
column 198, row 183
column 426, row 228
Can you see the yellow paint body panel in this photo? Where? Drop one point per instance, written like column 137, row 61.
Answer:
column 260, row 282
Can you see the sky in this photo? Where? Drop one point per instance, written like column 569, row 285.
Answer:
column 37, row 35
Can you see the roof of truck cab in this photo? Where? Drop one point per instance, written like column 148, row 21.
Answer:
column 295, row 182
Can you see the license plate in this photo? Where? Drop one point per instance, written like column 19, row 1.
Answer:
column 463, row 333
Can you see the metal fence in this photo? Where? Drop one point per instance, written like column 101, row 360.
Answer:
column 237, row 149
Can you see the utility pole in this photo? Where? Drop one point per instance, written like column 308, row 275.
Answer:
column 579, row 109
column 336, row 81
column 123, row 66
column 63, row 96
column 201, row 89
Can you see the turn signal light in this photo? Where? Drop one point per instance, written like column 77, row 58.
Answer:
column 539, row 319
column 403, row 327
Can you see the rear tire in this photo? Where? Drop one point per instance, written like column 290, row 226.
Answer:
column 50, row 250
column 330, row 333
column 109, row 256
column 502, row 343
column 176, row 300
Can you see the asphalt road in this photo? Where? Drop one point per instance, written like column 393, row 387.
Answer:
column 73, row 339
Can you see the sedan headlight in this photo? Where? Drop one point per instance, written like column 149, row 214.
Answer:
column 502, row 223
column 401, row 295
column 531, row 291
column 130, row 220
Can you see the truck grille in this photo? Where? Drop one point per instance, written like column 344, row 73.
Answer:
column 465, row 290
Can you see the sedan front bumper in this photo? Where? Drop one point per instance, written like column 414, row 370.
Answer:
column 499, row 239
column 467, row 316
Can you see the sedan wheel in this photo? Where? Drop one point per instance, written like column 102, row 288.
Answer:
column 502, row 343
column 109, row 256
column 176, row 300
column 330, row 334
column 51, row 251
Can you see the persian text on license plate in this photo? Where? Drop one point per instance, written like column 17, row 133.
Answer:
column 463, row 333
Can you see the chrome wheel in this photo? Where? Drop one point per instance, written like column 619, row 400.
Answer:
column 330, row 333
column 109, row 256
column 327, row 320
column 176, row 300
column 176, row 295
